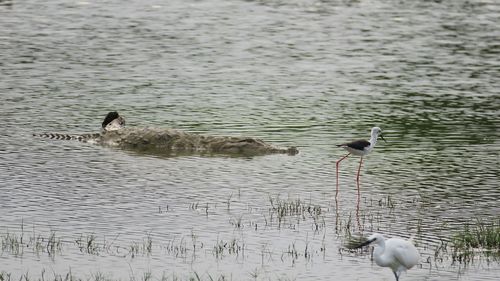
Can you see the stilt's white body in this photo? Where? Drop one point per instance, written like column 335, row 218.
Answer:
column 358, row 148
column 362, row 147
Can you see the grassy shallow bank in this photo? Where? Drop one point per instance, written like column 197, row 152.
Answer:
column 99, row 276
column 476, row 239
column 309, row 224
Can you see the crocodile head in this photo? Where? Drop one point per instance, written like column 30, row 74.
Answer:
column 112, row 122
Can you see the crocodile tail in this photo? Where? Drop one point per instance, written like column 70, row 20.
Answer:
column 54, row 136
column 58, row 136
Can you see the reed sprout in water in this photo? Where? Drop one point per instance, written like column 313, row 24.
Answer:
column 99, row 276
column 476, row 239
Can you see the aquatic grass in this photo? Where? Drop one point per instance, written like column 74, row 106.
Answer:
column 196, row 206
column 16, row 244
column 353, row 227
column 289, row 213
column 475, row 239
column 372, row 217
column 177, row 249
column 100, row 276
column 145, row 247
column 480, row 235
column 296, row 208
column 182, row 248
column 11, row 243
column 231, row 247
column 236, row 222
column 5, row 276
column 294, row 253
column 387, row 202
column 228, row 202
column 345, row 226
column 53, row 244
column 293, row 207
column 440, row 251
column 304, row 250
column 194, row 276
column 88, row 244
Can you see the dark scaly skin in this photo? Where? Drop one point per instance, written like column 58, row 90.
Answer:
column 170, row 141
column 59, row 136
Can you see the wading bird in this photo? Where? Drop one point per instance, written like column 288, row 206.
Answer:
column 396, row 253
column 358, row 148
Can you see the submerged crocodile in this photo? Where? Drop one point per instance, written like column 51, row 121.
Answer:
column 169, row 141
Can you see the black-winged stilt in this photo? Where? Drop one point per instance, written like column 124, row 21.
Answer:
column 358, row 148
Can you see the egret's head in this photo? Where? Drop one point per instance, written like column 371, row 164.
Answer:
column 374, row 238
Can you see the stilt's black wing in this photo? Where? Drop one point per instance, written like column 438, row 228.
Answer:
column 358, row 145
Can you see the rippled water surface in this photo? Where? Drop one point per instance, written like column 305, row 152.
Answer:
column 303, row 73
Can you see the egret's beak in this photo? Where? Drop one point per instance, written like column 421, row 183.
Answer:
column 357, row 244
column 382, row 137
column 367, row 242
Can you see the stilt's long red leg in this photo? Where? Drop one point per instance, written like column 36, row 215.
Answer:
column 357, row 214
column 337, row 169
column 357, row 177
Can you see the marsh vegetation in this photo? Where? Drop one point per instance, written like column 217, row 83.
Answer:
column 476, row 242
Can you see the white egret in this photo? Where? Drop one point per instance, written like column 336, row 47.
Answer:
column 396, row 253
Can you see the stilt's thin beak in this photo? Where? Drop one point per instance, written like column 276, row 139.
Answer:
column 382, row 137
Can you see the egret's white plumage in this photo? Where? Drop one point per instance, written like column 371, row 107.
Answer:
column 396, row 253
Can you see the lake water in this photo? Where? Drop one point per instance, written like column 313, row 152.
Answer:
column 306, row 73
